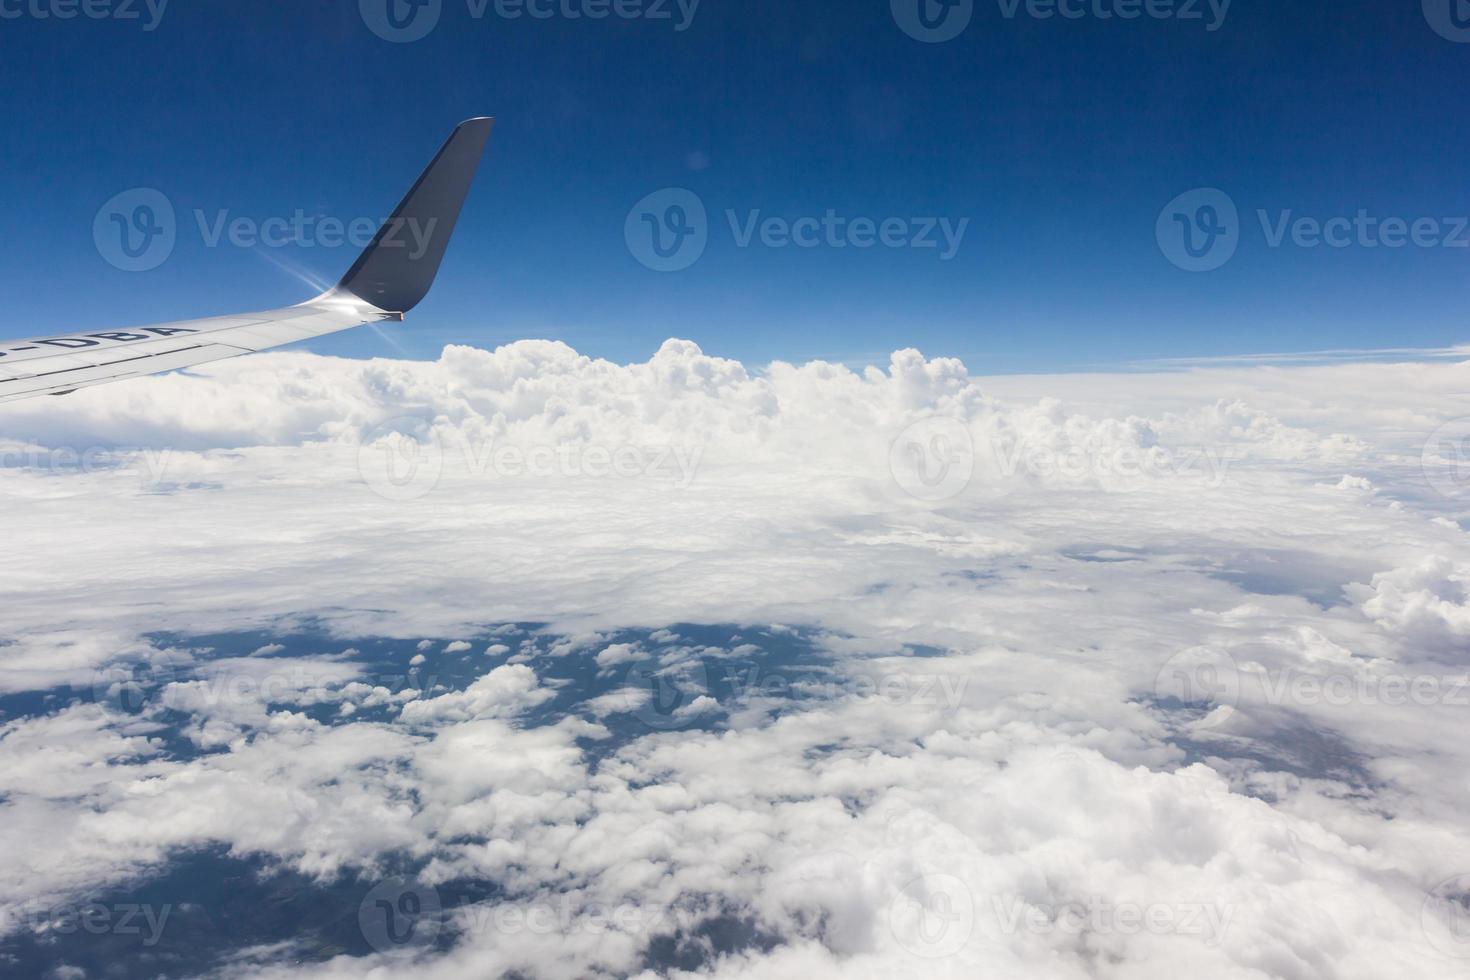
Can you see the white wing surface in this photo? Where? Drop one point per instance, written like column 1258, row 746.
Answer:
column 390, row 278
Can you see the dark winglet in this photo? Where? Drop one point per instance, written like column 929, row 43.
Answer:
column 397, row 269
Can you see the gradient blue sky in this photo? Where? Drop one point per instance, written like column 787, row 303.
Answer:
column 1060, row 141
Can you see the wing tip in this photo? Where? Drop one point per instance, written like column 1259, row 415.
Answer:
column 390, row 277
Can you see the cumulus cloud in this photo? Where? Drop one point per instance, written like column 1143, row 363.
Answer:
column 620, row 653
column 1429, row 600
column 505, row 690
column 1085, row 676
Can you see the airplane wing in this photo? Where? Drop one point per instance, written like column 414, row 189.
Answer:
column 390, row 278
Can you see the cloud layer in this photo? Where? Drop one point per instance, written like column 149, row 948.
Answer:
column 1117, row 676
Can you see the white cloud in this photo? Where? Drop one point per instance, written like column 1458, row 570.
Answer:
column 624, row 700
column 620, row 653
column 507, row 690
column 1429, row 600
column 992, row 723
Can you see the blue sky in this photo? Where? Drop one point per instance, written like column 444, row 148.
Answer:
column 1059, row 141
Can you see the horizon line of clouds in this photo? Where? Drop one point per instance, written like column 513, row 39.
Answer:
column 1366, row 355
column 879, row 358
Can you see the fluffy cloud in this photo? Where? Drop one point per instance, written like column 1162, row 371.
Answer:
column 1112, row 676
column 1429, row 600
column 508, row 690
